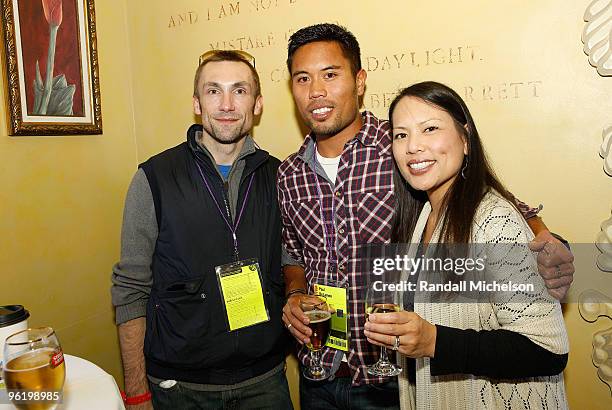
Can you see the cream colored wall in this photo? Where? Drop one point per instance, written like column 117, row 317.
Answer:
column 61, row 203
column 556, row 134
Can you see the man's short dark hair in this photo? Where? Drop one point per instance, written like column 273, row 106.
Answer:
column 326, row 32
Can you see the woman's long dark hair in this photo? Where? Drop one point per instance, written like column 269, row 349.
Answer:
column 469, row 187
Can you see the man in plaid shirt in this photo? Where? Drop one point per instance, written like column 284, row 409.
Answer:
column 336, row 195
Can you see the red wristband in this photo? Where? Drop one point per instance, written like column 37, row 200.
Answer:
column 134, row 400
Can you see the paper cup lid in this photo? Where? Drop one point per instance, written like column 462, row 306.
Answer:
column 11, row 314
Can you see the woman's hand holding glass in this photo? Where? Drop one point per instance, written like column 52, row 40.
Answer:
column 417, row 337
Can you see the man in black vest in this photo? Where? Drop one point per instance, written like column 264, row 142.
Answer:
column 200, row 246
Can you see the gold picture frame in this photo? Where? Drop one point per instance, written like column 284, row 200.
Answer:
column 60, row 34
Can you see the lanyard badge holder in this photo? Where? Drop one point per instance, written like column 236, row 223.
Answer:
column 336, row 296
column 240, row 282
column 242, row 293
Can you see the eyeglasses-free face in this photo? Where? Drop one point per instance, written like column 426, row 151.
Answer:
column 428, row 146
column 227, row 100
column 326, row 91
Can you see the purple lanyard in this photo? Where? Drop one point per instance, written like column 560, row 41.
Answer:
column 232, row 228
column 329, row 236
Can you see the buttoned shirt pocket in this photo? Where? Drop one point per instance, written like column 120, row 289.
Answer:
column 307, row 223
column 375, row 211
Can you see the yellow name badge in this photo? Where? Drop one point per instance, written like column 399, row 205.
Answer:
column 337, row 300
column 242, row 293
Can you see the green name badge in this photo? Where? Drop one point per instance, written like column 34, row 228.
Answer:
column 337, row 301
column 242, row 293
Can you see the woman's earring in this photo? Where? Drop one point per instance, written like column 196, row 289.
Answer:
column 464, row 167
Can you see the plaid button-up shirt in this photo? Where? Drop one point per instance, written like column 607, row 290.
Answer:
column 362, row 200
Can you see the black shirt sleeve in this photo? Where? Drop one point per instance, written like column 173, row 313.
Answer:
column 499, row 354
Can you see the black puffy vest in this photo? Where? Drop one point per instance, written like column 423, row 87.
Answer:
column 187, row 337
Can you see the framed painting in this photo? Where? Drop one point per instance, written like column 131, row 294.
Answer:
column 51, row 67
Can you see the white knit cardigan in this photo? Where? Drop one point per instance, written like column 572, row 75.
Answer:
column 496, row 221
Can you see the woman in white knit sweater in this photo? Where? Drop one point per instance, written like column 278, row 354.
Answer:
column 501, row 350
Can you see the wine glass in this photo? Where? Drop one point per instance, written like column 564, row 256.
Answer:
column 319, row 314
column 34, row 369
column 382, row 300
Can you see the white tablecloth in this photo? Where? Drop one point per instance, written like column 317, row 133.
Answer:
column 87, row 387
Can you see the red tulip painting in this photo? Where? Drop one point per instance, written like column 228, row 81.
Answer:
column 53, row 11
column 51, row 64
column 51, row 57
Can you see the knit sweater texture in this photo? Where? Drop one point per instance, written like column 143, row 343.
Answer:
column 537, row 316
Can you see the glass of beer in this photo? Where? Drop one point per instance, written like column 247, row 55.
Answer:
column 382, row 301
column 34, row 369
column 319, row 314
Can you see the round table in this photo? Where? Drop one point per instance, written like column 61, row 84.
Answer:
column 87, row 387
